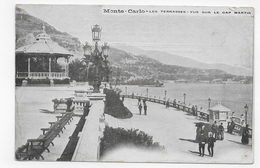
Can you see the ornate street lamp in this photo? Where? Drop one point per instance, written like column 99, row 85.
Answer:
column 209, row 100
column 246, row 110
column 184, row 96
column 147, row 92
column 98, row 59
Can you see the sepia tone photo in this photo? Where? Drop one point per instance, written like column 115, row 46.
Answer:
column 110, row 83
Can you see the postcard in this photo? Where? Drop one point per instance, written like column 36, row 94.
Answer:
column 114, row 83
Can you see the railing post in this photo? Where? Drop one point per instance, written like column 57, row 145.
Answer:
column 29, row 66
column 49, row 67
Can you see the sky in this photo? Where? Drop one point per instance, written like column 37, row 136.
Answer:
column 208, row 38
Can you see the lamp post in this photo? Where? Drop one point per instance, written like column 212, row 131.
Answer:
column 209, row 100
column 147, row 92
column 97, row 58
column 184, row 96
column 246, row 110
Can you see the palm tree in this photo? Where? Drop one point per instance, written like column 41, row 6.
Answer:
column 77, row 70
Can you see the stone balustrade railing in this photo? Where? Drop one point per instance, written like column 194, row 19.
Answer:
column 201, row 114
column 42, row 75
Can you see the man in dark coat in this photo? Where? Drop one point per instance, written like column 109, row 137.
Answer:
column 139, row 101
column 145, row 107
column 221, row 131
column 202, row 142
column 211, row 141
column 214, row 129
column 140, row 108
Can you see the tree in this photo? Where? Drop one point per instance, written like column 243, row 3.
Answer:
column 78, row 70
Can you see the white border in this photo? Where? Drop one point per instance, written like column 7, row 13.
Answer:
column 7, row 43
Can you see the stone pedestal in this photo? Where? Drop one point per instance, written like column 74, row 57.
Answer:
column 96, row 96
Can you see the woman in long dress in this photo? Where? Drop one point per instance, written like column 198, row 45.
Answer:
column 245, row 138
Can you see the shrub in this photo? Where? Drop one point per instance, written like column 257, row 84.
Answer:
column 114, row 106
column 117, row 136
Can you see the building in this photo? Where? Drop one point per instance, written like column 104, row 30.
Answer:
column 220, row 114
column 45, row 51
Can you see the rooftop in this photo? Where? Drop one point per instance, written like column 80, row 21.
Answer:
column 43, row 45
column 219, row 107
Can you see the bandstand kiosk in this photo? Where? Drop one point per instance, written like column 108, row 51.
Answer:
column 43, row 50
column 220, row 114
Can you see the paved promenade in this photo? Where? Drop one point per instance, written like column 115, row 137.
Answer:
column 88, row 144
column 61, row 142
column 176, row 131
column 34, row 109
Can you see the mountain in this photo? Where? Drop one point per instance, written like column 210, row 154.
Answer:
column 27, row 27
column 135, row 63
column 172, row 59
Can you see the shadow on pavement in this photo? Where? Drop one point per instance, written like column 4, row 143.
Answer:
column 238, row 143
column 46, row 111
column 197, row 153
column 189, row 140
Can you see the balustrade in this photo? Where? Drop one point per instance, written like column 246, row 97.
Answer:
column 42, row 75
column 202, row 115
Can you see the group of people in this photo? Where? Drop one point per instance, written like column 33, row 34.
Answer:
column 202, row 142
column 218, row 131
column 140, row 106
column 217, row 134
column 194, row 110
column 244, row 131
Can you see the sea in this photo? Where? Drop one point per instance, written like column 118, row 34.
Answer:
column 232, row 96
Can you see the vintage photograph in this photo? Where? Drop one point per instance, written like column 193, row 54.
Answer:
column 114, row 83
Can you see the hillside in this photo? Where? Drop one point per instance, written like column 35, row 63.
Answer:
column 27, row 27
column 135, row 64
column 172, row 59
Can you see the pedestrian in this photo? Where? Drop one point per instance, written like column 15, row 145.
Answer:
column 139, row 101
column 232, row 114
column 69, row 103
column 232, row 126
column 211, row 141
column 167, row 103
column 196, row 110
column 198, row 130
column 145, row 107
column 245, row 135
column 174, row 103
column 221, row 131
column 228, row 127
column 202, row 142
column 214, row 129
column 140, row 108
column 193, row 110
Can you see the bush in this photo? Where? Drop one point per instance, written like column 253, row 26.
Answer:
column 117, row 136
column 114, row 106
